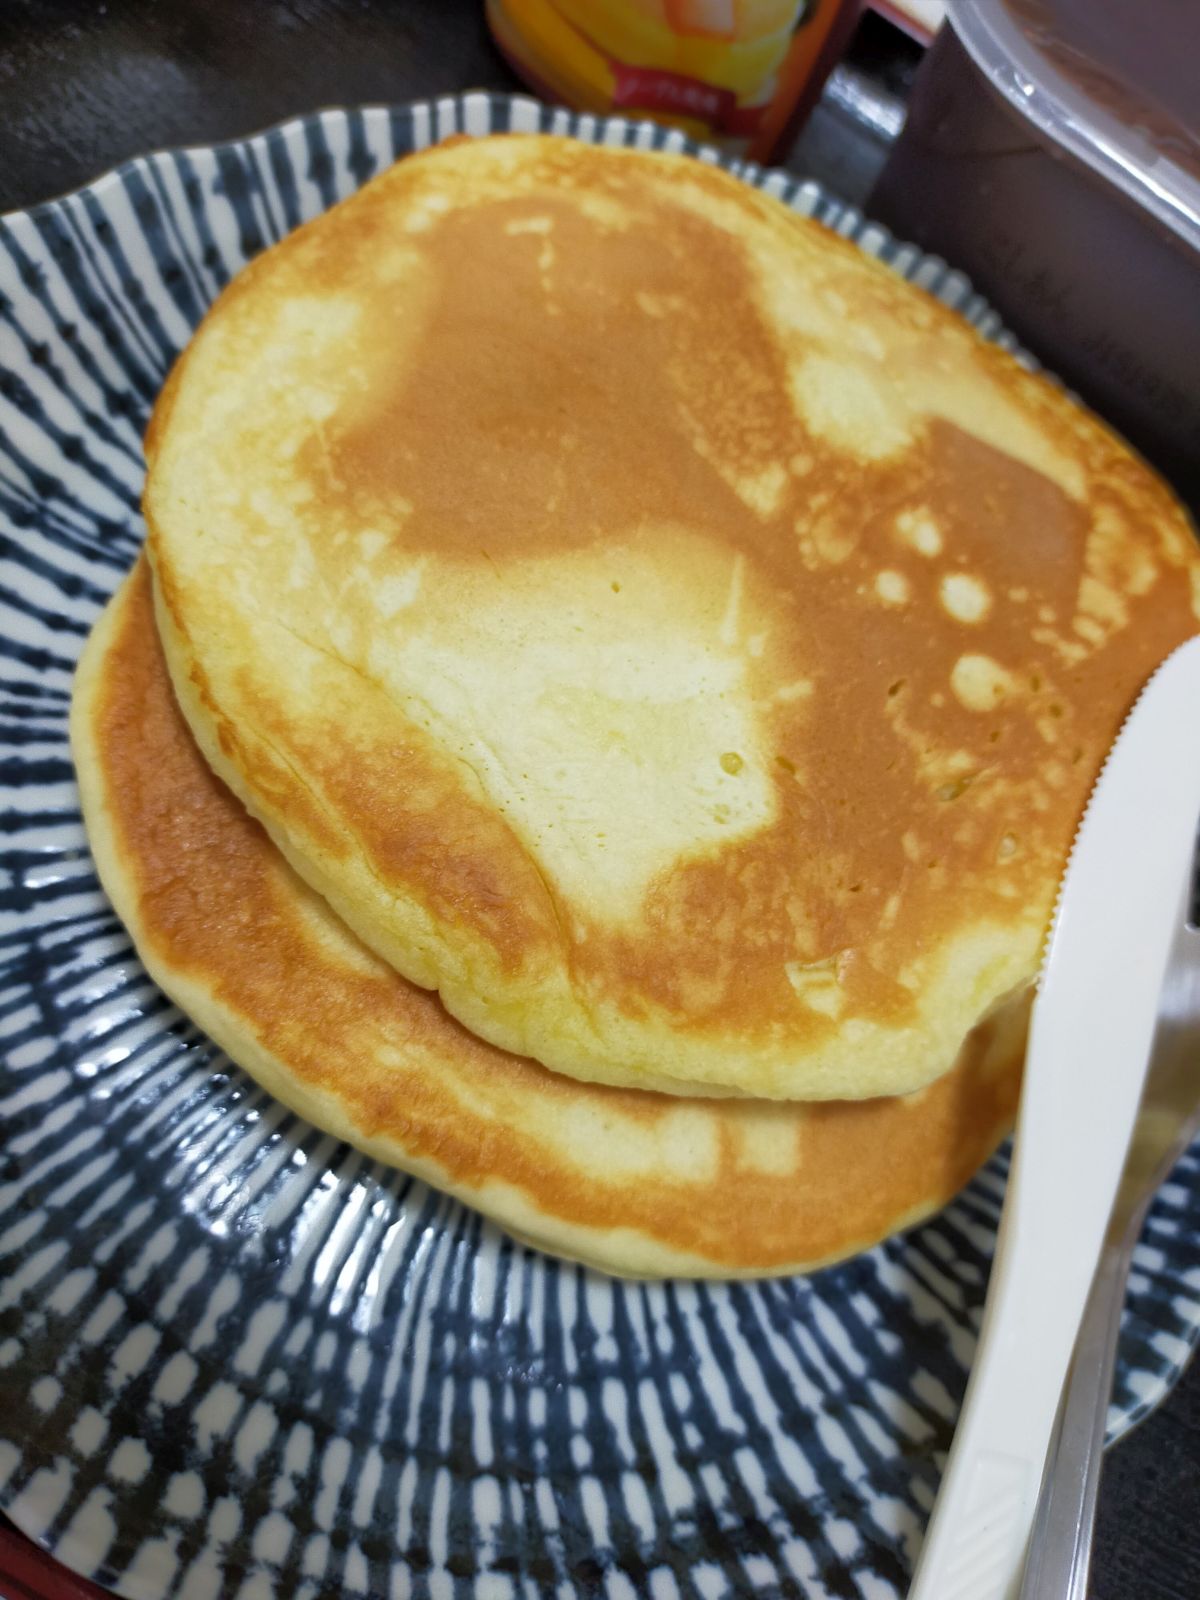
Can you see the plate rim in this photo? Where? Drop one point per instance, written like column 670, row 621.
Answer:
column 853, row 220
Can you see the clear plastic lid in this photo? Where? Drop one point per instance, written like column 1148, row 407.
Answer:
column 1114, row 82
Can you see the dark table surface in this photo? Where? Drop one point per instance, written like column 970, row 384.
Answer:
column 84, row 85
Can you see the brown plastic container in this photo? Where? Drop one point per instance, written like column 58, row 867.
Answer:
column 1052, row 151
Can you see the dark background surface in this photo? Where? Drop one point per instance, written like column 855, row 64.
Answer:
column 83, row 86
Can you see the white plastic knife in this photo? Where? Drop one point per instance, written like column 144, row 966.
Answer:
column 1090, row 1036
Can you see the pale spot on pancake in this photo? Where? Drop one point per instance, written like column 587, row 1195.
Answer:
column 800, row 689
column 891, row 587
column 311, row 324
column 1069, row 651
column 270, row 511
column 850, row 407
column 940, row 768
column 370, row 542
column 908, row 1103
column 870, row 385
column 425, row 210
column 733, row 605
column 823, row 316
column 800, row 464
column 680, row 1144
column 823, row 541
column 301, row 568
column 762, row 491
column 763, row 1141
column 1091, row 630
column 980, row 683
column 608, row 214
column 912, row 974
column 1048, row 731
column 1006, row 850
column 520, row 225
column 342, row 635
column 642, row 706
column 1045, row 613
column 756, row 644
column 1115, row 556
column 397, row 591
column 954, row 789
column 1100, row 602
column 807, row 318
column 919, row 532
column 398, row 264
column 966, row 598
column 1140, row 571
column 658, row 305
column 818, row 984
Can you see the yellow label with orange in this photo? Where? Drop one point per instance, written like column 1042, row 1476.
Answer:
column 730, row 71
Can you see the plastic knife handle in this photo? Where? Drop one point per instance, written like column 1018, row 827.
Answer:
column 1092, row 1028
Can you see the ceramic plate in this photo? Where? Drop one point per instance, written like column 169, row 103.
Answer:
column 238, row 1359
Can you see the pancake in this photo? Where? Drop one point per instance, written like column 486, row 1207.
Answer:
column 630, row 1181
column 647, row 620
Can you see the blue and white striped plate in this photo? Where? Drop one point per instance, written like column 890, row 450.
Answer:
column 238, row 1359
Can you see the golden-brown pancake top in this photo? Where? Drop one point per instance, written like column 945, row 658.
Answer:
column 648, row 620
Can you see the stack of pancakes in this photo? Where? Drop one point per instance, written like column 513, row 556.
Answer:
column 610, row 696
